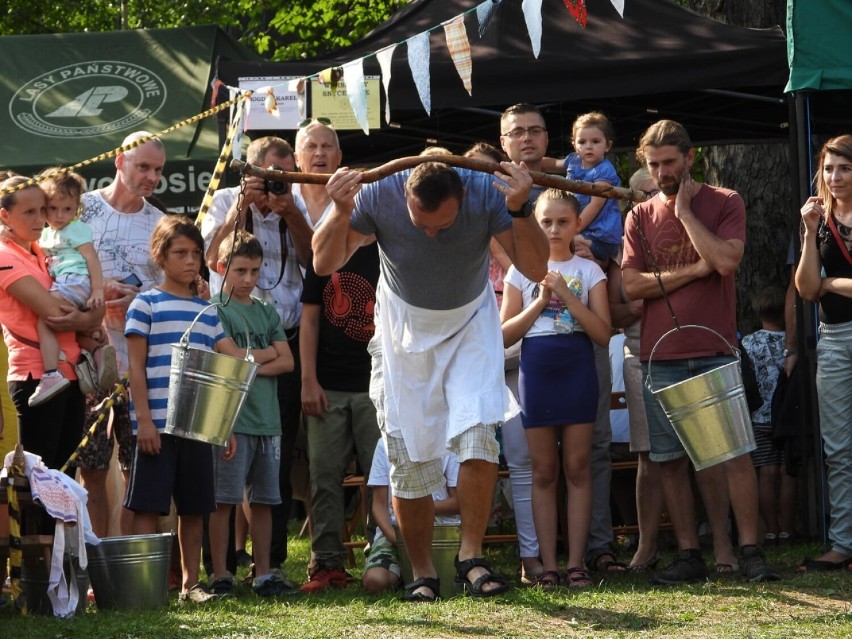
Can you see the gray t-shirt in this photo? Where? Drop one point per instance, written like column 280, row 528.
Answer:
column 441, row 272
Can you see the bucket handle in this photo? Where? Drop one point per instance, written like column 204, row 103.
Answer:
column 184, row 340
column 734, row 351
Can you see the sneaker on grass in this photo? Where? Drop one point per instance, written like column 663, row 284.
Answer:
column 223, row 586
column 687, row 566
column 198, row 594
column 754, row 567
column 51, row 384
column 272, row 585
column 325, row 578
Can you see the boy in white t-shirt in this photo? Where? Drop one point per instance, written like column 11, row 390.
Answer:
column 382, row 570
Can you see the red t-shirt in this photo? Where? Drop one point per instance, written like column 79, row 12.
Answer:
column 709, row 301
column 25, row 360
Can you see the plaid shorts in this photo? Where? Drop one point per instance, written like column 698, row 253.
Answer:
column 412, row 480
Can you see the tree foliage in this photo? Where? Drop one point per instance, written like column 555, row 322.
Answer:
column 279, row 30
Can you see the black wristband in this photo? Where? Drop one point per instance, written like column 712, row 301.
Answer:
column 526, row 211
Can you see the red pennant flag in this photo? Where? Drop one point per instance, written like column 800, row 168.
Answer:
column 577, row 8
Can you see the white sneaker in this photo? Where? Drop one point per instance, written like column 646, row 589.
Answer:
column 107, row 367
column 50, row 385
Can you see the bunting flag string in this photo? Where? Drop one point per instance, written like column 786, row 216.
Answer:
column 577, row 8
column 484, row 13
column 532, row 16
column 619, row 6
column 356, row 91
column 384, row 57
column 459, row 48
column 418, row 62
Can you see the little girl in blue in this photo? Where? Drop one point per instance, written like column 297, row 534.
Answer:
column 558, row 318
column 165, row 466
column 600, row 218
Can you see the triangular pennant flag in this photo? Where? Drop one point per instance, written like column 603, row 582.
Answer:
column 297, row 86
column 269, row 102
column 356, row 90
column 577, row 8
column 484, row 13
column 215, row 85
column 384, row 57
column 330, row 77
column 619, row 6
column 418, row 62
column 532, row 16
column 459, row 48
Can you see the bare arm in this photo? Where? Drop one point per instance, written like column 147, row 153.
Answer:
column 381, row 514
column 595, row 318
column 808, row 280
column 588, row 214
column 147, row 437
column 334, row 241
column 58, row 315
column 623, row 313
column 644, row 286
column 448, row 507
column 722, row 256
column 525, row 243
column 552, row 165
column 96, row 274
column 516, row 320
column 281, row 363
column 314, row 400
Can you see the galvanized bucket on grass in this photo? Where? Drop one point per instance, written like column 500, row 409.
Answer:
column 35, row 578
column 446, row 540
column 206, row 390
column 132, row 572
column 709, row 412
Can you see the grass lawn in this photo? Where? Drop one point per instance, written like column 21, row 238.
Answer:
column 812, row 606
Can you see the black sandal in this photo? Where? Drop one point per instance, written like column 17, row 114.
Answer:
column 603, row 560
column 432, row 583
column 475, row 588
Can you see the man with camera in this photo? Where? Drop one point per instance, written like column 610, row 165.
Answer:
column 282, row 217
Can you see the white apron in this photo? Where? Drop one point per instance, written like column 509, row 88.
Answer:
column 442, row 370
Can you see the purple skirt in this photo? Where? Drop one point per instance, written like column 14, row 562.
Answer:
column 558, row 383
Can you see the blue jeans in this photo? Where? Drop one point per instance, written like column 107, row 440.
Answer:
column 834, row 389
column 665, row 444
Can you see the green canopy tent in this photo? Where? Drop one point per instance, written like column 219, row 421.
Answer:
column 71, row 97
column 819, row 52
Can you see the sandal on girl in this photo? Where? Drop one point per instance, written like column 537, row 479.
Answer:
column 646, row 566
column 578, row 578
column 475, row 588
column 432, row 583
column 547, row 580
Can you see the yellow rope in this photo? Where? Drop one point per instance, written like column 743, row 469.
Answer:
column 16, row 474
column 109, row 154
column 103, row 411
column 220, row 163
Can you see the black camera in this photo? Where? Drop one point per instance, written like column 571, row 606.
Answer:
column 274, row 187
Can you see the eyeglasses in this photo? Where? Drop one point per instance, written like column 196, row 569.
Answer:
column 307, row 121
column 533, row 131
column 651, row 193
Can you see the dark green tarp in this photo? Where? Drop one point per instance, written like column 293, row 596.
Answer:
column 71, row 97
column 819, row 45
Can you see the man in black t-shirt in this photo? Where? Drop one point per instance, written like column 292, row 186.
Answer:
column 337, row 324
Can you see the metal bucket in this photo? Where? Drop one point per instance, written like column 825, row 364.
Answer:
column 206, row 390
column 446, row 540
column 709, row 412
column 132, row 572
column 35, row 576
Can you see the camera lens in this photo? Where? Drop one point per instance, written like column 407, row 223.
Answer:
column 273, row 186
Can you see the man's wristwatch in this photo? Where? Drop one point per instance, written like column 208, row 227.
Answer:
column 526, row 211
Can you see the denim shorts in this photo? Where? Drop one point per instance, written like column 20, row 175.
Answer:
column 253, row 471
column 665, row 444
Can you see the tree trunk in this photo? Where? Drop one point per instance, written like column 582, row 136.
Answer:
column 758, row 172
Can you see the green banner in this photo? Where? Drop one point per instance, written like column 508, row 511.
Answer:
column 819, row 45
column 71, row 97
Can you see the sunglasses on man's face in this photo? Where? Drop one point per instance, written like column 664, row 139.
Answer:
column 307, row 121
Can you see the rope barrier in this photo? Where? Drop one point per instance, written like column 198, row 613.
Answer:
column 127, row 147
column 16, row 475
